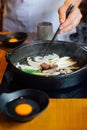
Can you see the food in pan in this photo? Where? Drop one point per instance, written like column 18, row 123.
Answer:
column 13, row 39
column 51, row 64
column 23, row 109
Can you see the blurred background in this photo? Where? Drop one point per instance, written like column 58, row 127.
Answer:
column 81, row 30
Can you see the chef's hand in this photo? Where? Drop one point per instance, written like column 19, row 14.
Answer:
column 69, row 23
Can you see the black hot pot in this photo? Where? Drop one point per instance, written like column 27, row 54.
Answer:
column 56, row 82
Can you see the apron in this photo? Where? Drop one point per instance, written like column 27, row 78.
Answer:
column 24, row 15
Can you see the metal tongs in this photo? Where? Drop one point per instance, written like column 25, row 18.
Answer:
column 69, row 10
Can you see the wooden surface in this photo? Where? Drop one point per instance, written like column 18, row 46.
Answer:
column 61, row 114
column 3, row 63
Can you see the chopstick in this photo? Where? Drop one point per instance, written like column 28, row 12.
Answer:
column 69, row 10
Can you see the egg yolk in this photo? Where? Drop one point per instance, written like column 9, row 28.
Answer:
column 23, row 109
column 13, row 40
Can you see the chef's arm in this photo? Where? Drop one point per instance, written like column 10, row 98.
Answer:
column 68, row 24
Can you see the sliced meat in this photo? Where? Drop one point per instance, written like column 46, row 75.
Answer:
column 51, row 70
column 45, row 66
